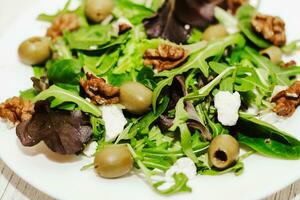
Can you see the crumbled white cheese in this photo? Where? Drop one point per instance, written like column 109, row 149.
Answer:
column 227, row 105
column 90, row 149
column 277, row 89
column 114, row 121
column 120, row 21
column 183, row 165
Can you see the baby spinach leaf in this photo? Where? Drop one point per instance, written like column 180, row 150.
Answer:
column 64, row 71
column 266, row 139
column 60, row 96
column 270, row 147
column 246, row 28
column 135, row 13
column 146, row 77
column 291, row 47
column 244, row 15
column 89, row 38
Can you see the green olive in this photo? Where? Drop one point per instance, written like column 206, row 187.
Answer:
column 113, row 161
column 273, row 53
column 135, row 97
column 223, row 151
column 97, row 10
column 34, row 50
column 214, row 32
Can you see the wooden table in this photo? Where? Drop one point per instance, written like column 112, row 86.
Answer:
column 13, row 187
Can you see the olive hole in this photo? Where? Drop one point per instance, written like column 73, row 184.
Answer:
column 266, row 55
column 221, row 155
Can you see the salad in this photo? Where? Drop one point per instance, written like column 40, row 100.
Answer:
column 171, row 89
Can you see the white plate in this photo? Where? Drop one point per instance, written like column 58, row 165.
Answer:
column 60, row 176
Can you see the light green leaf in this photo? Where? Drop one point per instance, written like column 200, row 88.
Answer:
column 62, row 96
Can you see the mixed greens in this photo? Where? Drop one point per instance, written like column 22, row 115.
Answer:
column 170, row 124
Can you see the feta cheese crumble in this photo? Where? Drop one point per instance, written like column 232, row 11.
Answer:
column 227, row 105
column 114, row 121
column 183, row 165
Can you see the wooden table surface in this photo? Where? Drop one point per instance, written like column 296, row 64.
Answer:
column 13, row 187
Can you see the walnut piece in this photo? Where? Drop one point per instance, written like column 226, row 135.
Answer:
column 233, row 5
column 68, row 21
column 287, row 100
column 165, row 57
column 16, row 110
column 99, row 91
column 270, row 27
column 291, row 63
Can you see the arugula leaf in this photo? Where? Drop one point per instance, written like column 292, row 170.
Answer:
column 60, row 96
column 291, row 47
column 179, row 186
column 227, row 84
column 273, row 70
column 237, row 169
column 79, row 11
column 99, row 65
column 248, row 80
column 39, row 71
column 28, row 94
column 197, row 60
column 50, row 18
column 180, row 179
column 143, row 126
column 196, row 36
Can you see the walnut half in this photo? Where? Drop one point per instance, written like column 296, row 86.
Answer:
column 287, row 100
column 99, row 91
column 16, row 110
column 68, row 21
column 165, row 57
column 270, row 27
